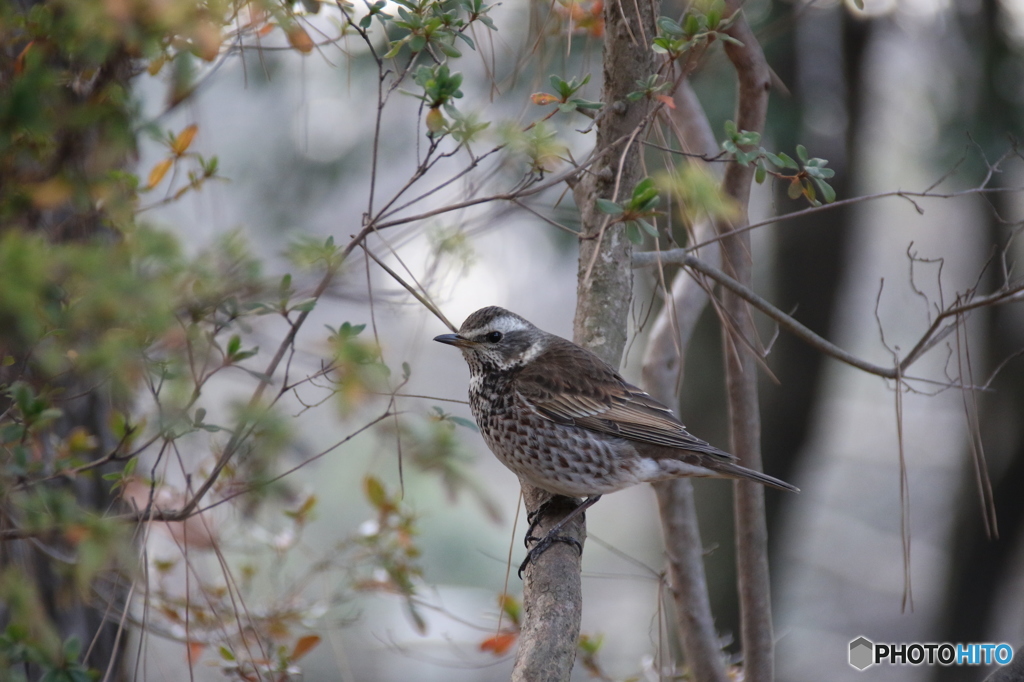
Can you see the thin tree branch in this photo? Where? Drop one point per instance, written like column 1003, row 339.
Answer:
column 754, row 588
column 662, row 372
column 1012, row 293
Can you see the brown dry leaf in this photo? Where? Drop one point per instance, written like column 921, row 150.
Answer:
column 184, row 139
column 304, row 646
column 300, row 40
column 158, row 173
column 19, row 61
column 666, row 100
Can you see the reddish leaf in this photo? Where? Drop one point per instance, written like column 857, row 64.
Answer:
column 666, row 100
column 500, row 643
column 195, row 650
column 304, row 646
column 19, row 61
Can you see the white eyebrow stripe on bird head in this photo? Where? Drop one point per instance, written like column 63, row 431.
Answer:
column 508, row 323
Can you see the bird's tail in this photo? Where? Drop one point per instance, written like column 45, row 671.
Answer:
column 733, row 470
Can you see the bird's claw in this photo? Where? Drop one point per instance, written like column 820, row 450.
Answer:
column 534, row 518
column 543, row 545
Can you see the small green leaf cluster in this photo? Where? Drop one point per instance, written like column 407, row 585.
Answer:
column 389, row 542
column 440, row 85
column 19, row 649
column 633, row 213
column 810, row 172
column 649, row 87
column 357, row 368
column 539, row 144
column 698, row 28
column 566, row 94
column 429, row 25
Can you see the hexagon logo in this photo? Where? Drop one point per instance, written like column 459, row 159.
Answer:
column 862, row 653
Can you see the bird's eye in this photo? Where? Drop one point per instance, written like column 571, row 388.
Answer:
column 493, row 337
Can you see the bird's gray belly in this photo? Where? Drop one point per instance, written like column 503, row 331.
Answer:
column 564, row 460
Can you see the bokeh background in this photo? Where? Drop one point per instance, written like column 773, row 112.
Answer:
column 895, row 96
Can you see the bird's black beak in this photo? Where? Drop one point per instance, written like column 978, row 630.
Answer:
column 453, row 340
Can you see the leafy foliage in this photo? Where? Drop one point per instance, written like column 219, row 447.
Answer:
column 810, row 172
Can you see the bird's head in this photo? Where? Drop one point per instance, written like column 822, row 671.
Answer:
column 494, row 338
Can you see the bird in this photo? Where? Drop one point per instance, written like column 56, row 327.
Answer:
column 565, row 421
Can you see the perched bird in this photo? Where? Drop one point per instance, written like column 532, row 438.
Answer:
column 565, row 421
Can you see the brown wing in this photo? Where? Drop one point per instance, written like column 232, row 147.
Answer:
column 588, row 393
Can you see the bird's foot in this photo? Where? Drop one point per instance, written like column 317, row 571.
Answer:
column 534, row 518
column 543, row 545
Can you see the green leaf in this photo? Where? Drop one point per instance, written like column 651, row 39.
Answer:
column 691, row 25
column 245, row 354
column 827, row 192
column 670, row 26
column 234, row 344
column 463, row 422
column 633, row 232
column 794, row 191
column 374, row 490
column 809, row 191
column 449, row 50
column 647, row 227
column 406, row 371
column 609, row 207
column 760, row 173
column 644, row 187
column 396, row 47
column 801, row 152
column 787, row 161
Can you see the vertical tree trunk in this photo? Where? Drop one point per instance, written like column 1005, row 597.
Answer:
column 662, row 372
column 740, row 339
column 552, row 594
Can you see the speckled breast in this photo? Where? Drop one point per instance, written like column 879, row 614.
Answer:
column 564, row 460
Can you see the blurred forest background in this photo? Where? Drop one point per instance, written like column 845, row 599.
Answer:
column 365, row 529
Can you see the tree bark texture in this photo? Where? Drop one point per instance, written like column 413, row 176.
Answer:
column 552, row 591
column 739, row 338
